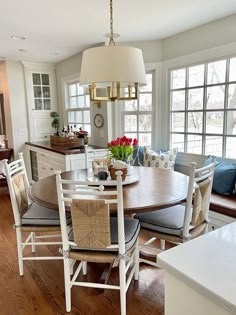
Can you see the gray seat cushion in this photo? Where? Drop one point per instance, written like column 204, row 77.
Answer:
column 37, row 215
column 132, row 228
column 168, row 221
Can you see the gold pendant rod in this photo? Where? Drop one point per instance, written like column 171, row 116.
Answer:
column 111, row 41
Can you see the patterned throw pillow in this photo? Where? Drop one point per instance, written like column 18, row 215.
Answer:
column 164, row 160
column 170, row 157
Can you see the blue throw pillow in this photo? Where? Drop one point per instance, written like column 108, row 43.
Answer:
column 224, row 177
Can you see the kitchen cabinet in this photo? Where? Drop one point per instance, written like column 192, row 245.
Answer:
column 40, row 82
column 41, row 161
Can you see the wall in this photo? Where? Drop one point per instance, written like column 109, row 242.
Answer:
column 203, row 38
column 200, row 39
column 207, row 36
column 18, row 105
column 66, row 69
column 5, row 90
column 152, row 49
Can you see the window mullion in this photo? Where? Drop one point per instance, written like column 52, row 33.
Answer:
column 225, row 107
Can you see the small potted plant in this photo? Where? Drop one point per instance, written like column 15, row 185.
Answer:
column 55, row 122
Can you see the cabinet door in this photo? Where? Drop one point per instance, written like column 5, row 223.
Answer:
column 40, row 87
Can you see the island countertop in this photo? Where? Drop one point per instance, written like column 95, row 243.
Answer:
column 207, row 265
column 65, row 150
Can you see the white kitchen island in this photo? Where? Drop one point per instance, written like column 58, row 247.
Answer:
column 200, row 275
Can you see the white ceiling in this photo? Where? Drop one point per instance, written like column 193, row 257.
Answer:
column 57, row 29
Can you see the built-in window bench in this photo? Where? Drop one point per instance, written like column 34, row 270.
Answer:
column 222, row 208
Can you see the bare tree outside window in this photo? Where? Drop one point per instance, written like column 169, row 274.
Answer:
column 137, row 114
column 203, row 108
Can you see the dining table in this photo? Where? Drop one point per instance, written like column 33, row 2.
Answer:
column 145, row 188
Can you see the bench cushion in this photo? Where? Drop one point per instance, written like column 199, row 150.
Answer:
column 223, row 204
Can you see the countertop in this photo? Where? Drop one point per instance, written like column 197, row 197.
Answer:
column 65, row 150
column 207, row 264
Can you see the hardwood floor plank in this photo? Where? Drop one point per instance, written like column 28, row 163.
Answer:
column 41, row 289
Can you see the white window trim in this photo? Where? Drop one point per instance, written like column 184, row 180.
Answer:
column 203, row 56
column 65, row 81
column 119, row 125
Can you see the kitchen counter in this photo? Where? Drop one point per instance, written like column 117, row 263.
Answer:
column 200, row 274
column 65, row 150
column 43, row 158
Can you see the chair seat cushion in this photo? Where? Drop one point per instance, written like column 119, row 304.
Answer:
column 132, row 228
column 168, row 221
column 37, row 215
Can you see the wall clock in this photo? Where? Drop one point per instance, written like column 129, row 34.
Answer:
column 98, row 120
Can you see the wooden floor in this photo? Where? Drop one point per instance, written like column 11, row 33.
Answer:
column 41, row 289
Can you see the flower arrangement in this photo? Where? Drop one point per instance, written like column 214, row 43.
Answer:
column 122, row 148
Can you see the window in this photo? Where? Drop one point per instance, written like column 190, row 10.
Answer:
column 138, row 114
column 78, row 109
column 203, row 108
column 41, row 90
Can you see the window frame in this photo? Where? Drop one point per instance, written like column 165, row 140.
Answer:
column 69, row 109
column 137, row 112
column 225, row 109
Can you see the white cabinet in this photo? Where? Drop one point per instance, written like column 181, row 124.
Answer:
column 48, row 163
column 41, row 98
column 217, row 220
column 41, row 162
column 77, row 161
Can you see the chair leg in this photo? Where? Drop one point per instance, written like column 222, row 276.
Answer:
column 33, row 240
column 136, row 261
column 67, row 284
column 20, row 251
column 122, row 287
column 84, row 268
column 163, row 244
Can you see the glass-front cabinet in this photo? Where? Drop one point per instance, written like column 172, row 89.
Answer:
column 41, row 99
column 42, row 95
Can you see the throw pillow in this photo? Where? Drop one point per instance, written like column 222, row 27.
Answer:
column 170, row 157
column 224, row 177
column 165, row 160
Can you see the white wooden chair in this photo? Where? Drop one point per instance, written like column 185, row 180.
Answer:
column 97, row 237
column 182, row 222
column 30, row 217
column 90, row 157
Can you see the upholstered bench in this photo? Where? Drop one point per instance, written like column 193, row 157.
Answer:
column 225, row 205
column 222, row 207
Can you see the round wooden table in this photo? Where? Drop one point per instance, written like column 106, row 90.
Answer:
column 156, row 189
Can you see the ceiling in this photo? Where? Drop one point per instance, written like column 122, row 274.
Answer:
column 57, row 29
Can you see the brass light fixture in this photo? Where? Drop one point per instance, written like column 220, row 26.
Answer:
column 111, row 69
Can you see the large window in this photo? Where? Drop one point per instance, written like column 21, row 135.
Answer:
column 78, row 109
column 138, row 115
column 203, row 108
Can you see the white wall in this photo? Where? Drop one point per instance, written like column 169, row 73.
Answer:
column 5, row 90
column 200, row 39
column 207, row 36
column 18, row 105
column 65, row 69
column 214, row 34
